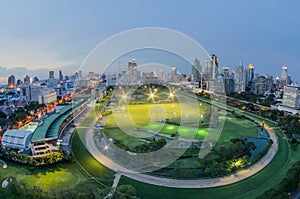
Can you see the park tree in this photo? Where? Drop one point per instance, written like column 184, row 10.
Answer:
column 125, row 192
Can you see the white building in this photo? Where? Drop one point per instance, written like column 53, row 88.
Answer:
column 47, row 97
column 239, row 79
column 17, row 139
column 291, row 97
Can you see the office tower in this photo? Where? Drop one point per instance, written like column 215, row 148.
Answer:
column 196, row 70
column 208, row 66
column 132, row 70
column 215, row 72
column 225, row 71
column 249, row 73
column 174, row 71
column 284, row 75
column 60, row 76
column 210, row 70
column 228, row 80
column 260, row 85
column 291, row 97
column 269, row 83
column 27, row 80
column 239, row 79
column 51, row 74
column 11, row 82
column 35, row 79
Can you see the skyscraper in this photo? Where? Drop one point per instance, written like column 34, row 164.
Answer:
column 196, row 70
column 269, row 83
column 132, row 71
column 249, row 73
column 284, row 75
column 11, row 82
column 239, row 79
column 215, row 68
column 60, row 76
column 260, row 85
column 211, row 67
column 26, row 79
column 51, row 74
column 228, row 80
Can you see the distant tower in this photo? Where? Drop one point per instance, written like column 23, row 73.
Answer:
column 284, row 75
column 260, row 85
column 211, row 67
column 239, row 79
column 35, row 79
column 11, row 82
column 60, row 76
column 196, row 71
column 174, row 71
column 215, row 66
column 51, row 74
column 249, row 77
column 132, row 70
column 27, row 80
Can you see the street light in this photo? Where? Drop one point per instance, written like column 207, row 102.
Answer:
column 106, row 147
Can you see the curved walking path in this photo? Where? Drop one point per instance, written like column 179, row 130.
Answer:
column 92, row 147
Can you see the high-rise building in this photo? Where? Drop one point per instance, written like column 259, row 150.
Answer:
column 35, row 79
column 291, row 97
column 211, row 67
column 215, row 68
column 51, row 74
column 269, row 83
column 249, row 74
column 11, row 82
column 60, row 76
column 260, row 85
column 19, row 82
column 26, row 79
column 228, row 80
column 196, row 70
column 239, row 79
column 132, row 71
column 284, row 74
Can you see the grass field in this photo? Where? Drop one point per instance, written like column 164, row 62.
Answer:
column 102, row 174
column 141, row 116
column 249, row 188
column 62, row 177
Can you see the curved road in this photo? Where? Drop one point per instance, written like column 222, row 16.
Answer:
column 92, row 147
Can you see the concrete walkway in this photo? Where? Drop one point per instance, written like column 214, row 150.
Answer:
column 114, row 186
column 92, row 147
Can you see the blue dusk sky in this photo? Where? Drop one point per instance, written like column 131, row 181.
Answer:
column 36, row 36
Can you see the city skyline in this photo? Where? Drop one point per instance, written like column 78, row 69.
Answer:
column 264, row 34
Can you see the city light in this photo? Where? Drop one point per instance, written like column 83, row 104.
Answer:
column 106, row 147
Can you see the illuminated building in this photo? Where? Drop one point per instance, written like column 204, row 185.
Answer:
column 11, row 82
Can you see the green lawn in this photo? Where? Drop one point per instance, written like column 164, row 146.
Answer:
column 61, row 177
column 249, row 188
column 95, row 169
column 140, row 115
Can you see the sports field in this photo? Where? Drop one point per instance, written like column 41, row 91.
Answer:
column 141, row 116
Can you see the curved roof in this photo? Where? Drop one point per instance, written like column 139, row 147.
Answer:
column 16, row 138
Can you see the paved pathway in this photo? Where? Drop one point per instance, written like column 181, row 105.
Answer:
column 167, row 182
column 114, row 186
